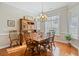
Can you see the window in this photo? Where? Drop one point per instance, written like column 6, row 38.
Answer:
column 55, row 24
column 37, row 24
column 52, row 24
column 73, row 27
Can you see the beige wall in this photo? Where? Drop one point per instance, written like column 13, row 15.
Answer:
column 8, row 13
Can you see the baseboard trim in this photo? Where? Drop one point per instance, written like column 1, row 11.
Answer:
column 4, row 46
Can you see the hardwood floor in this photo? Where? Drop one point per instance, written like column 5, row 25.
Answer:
column 14, row 51
column 64, row 50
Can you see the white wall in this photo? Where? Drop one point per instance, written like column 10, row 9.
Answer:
column 65, row 14
column 74, row 11
column 62, row 13
column 8, row 13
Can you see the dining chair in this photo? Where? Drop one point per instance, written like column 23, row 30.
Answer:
column 14, row 38
column 51, row 37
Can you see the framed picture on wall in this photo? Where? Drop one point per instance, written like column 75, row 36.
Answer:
column 11, row 23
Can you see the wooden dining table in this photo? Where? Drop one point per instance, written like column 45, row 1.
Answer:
column 37, row 41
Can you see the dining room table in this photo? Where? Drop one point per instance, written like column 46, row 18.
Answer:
column 39, row 44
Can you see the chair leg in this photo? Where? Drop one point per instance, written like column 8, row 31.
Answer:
column 11, row 44
column 54, row 44
column 17, row 43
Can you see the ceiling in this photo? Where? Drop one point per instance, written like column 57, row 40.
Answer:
column 36, row 7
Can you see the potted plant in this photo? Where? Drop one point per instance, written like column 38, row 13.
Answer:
column 68, row 38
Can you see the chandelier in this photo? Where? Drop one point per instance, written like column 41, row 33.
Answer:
column 43, row 16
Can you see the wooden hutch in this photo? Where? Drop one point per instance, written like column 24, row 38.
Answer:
column 26, row 25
